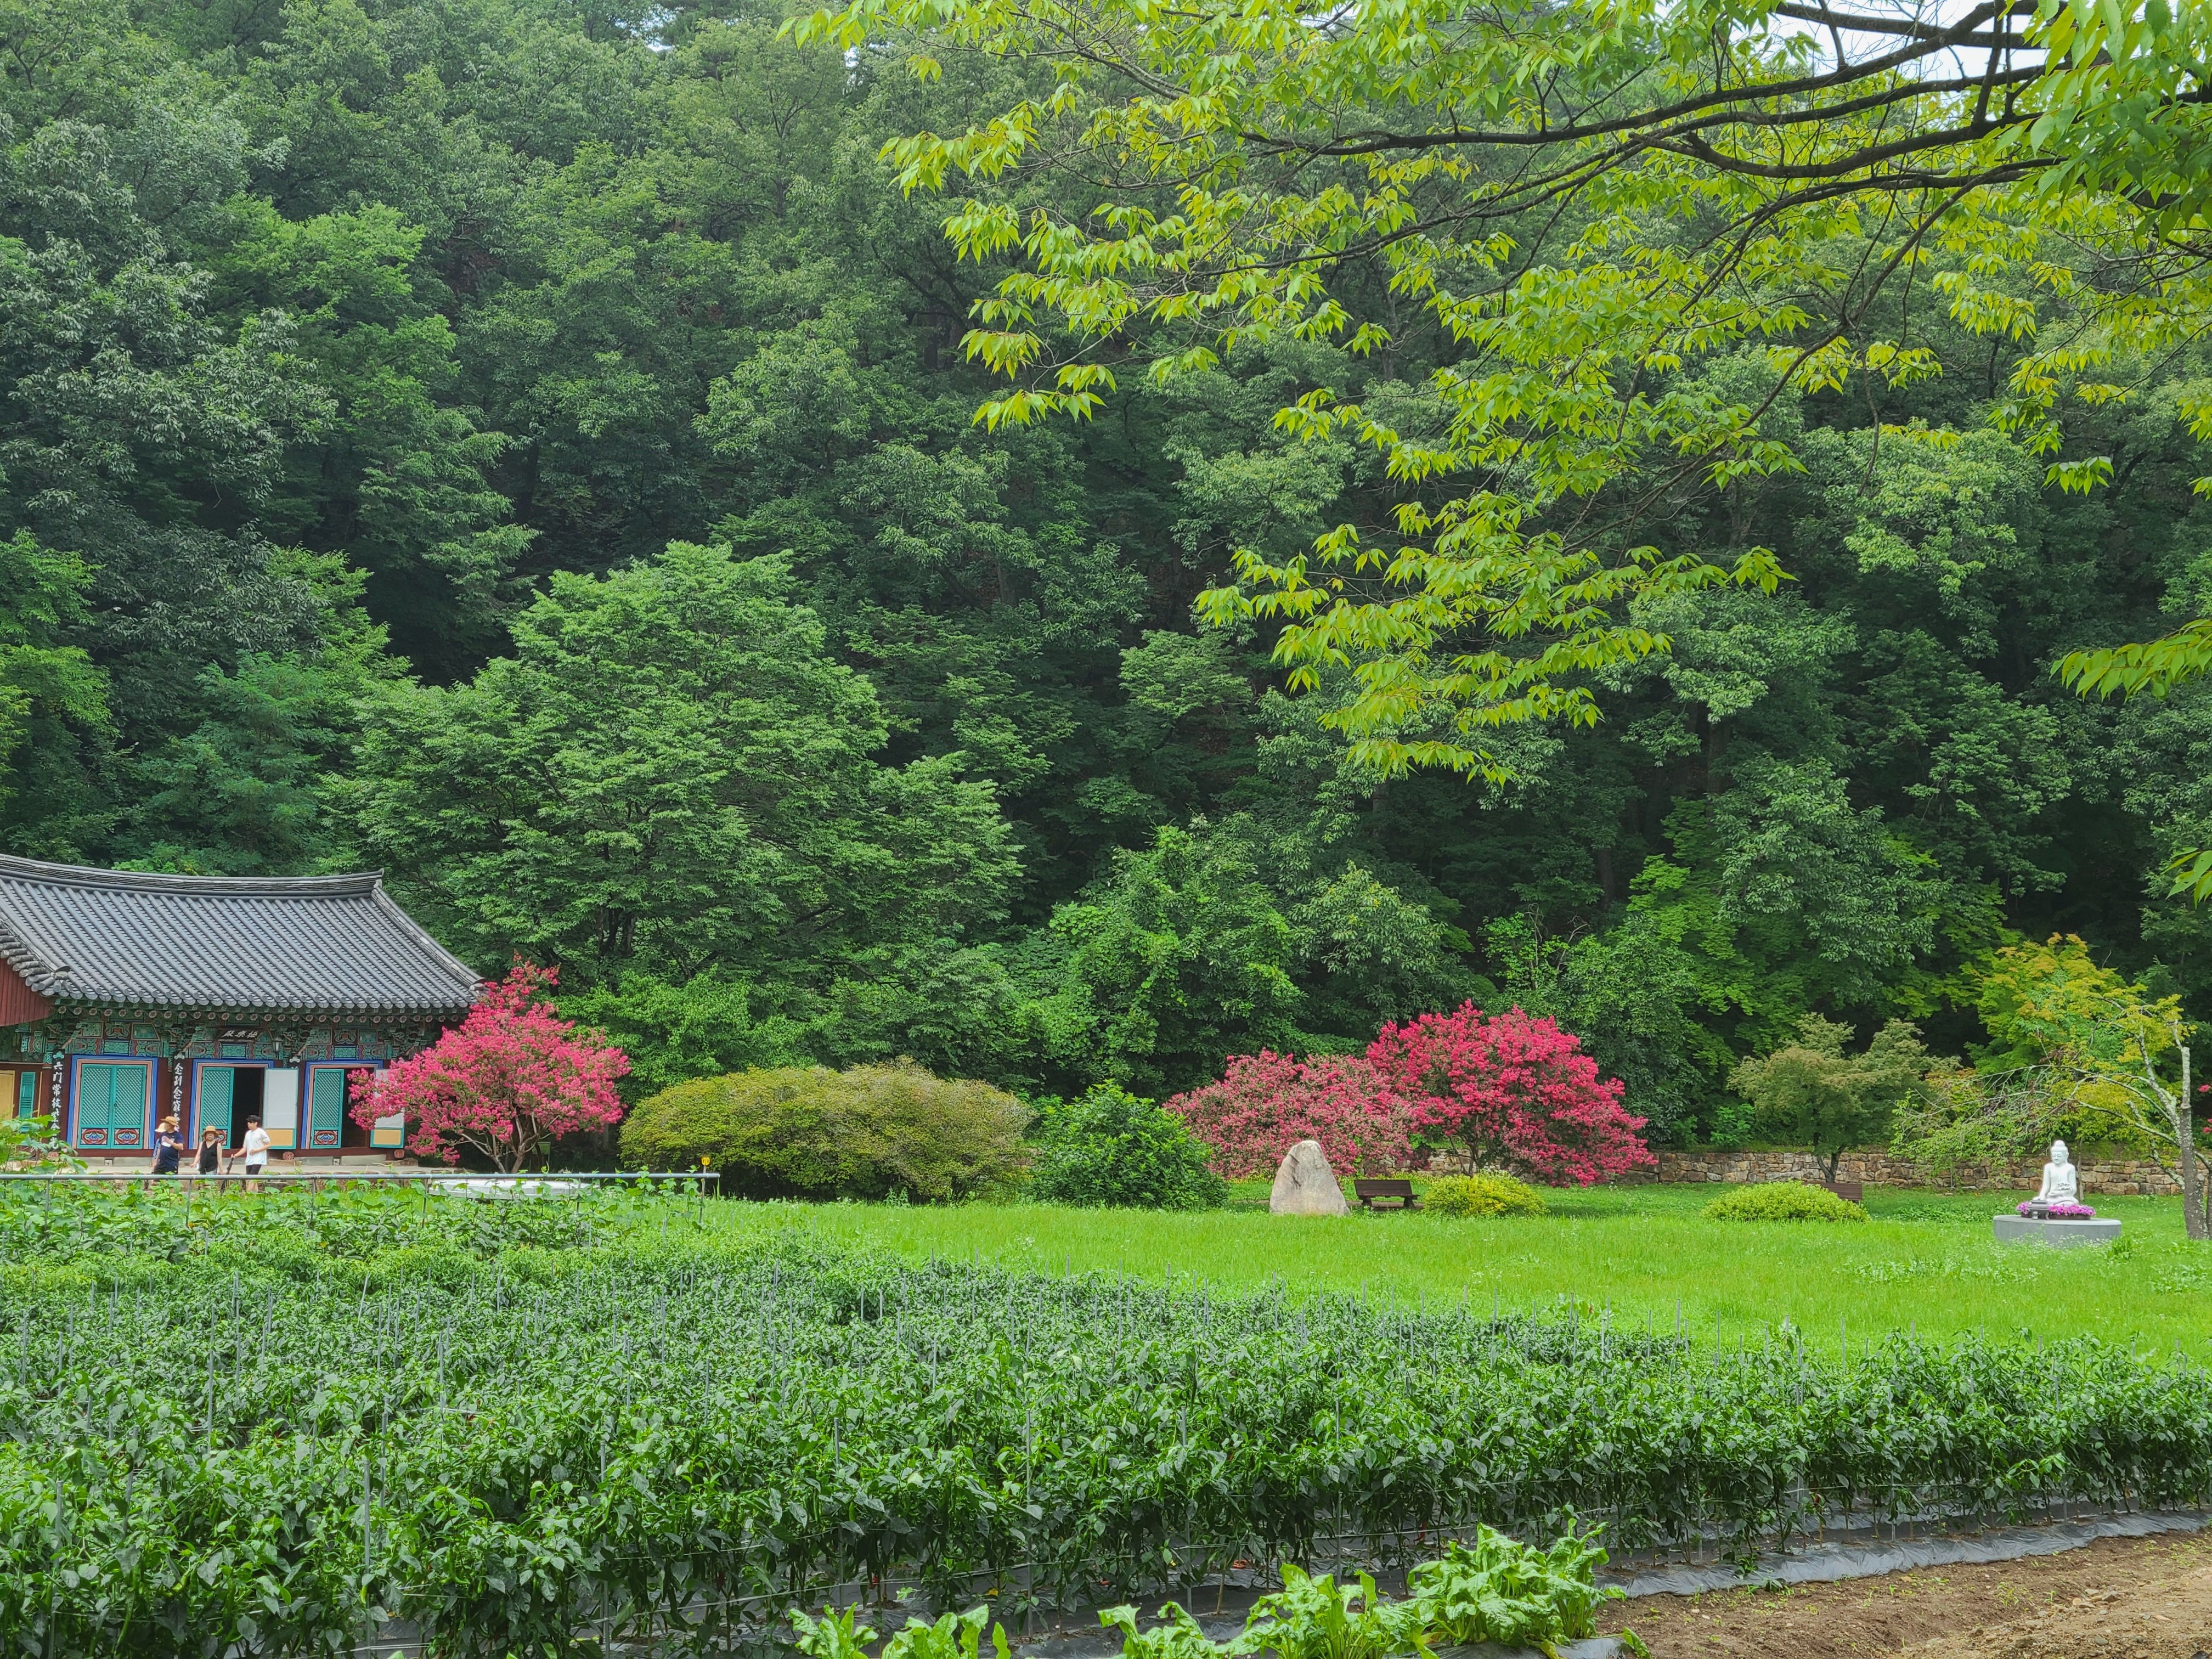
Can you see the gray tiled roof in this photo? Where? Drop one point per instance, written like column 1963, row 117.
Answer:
column 310, row 944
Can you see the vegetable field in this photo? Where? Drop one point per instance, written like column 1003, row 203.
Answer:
column 554, row 1447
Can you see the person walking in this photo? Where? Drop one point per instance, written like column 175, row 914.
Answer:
column 256, row 1148
column 168, row 1147
column 210, row 1162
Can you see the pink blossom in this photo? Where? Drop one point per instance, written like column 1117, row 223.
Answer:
column 504, row 1082
column 1266, row 1102
column 1511, row 1091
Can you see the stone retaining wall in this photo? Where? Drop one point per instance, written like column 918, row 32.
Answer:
column 1881, row 1169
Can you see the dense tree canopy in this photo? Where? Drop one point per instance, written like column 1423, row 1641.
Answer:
column 531, row 447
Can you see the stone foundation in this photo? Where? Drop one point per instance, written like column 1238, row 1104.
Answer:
column 2057, row 1235
column 2113, row 1176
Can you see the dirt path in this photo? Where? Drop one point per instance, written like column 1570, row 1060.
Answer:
column 2119, row 1598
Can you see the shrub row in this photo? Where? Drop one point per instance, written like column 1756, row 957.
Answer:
column 896, row 1130
column 287, row 1224
column 1504, row 1090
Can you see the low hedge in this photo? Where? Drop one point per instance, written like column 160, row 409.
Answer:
column 870, row 1132
column 1482, row 1194
column 1783, row 1201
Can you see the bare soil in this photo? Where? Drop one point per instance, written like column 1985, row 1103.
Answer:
column 2117, row 1598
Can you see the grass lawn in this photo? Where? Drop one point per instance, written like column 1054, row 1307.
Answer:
column 1924, row 1262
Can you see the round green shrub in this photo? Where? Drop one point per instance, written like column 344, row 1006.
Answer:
column 1782, row 1200
column 1113, row 1149
column 1482, row 1194
column 808, row 1132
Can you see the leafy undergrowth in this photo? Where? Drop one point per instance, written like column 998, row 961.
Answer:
column 1496, row 1590
column 520, row 1452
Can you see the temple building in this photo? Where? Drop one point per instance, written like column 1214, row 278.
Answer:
column 213, row 999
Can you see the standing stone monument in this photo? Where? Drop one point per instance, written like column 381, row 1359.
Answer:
column 1305, row 1185
column 2057, row 1215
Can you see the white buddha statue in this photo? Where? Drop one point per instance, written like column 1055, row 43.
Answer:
column 2062, row 1181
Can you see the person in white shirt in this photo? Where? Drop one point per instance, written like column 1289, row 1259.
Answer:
column 257, row 1147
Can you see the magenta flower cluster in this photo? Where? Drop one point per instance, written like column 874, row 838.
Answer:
column 2060, row 1211
column 1513, row 1091
column 1509, row 1090
column 506, row 1082
column 1267, row 1102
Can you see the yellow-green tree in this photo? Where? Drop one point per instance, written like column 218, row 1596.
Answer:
column 1815, row 1091
column 1584, row 199
column 2089, row 1042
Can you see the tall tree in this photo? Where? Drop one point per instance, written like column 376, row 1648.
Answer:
column 1584, row 199
column 671, row 773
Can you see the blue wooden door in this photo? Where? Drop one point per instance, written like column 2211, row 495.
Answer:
column 110, row 1103
column 218, row 1086
column 326, row 1087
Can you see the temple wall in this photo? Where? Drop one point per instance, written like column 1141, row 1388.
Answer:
column 19, row 1003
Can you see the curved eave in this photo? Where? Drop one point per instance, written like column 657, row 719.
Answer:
column 239, row 1014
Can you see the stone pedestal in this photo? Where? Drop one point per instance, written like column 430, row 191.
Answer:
column 2027, row 1229
column 1305, row 1185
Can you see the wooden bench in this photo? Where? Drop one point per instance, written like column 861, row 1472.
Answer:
column 1373, row 1194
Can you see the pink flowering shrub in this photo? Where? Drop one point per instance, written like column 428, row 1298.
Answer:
column 504, row 1082
column 1511, row 1092
column 1266, row 1102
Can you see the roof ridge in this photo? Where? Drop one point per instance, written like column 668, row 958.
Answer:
column 83, row 875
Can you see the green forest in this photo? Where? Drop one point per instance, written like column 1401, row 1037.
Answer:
column 532, row 448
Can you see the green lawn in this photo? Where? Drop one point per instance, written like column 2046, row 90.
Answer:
column 1925, row 1262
